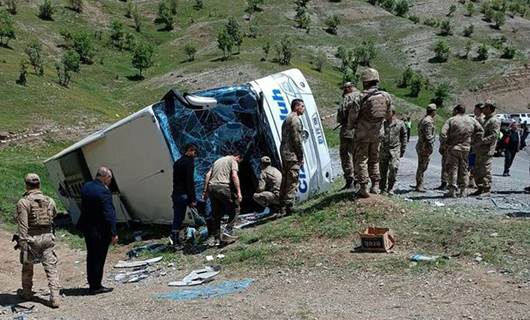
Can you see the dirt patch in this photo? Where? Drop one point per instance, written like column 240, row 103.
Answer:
column 93, row 13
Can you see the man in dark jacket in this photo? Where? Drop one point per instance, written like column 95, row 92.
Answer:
column 183, row 190
column 98, row 224
column 512, row 145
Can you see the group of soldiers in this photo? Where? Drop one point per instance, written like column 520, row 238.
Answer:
column 372, row 141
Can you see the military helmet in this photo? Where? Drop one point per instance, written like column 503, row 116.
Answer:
column 431, row 107
column 32, row 178
column 265, row 160
column 489, row 103
column 369, row 75
column 347, row 84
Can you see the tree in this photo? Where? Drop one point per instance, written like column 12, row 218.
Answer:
column 70, row 62
column 234, row 31
column 508, row 52
column 388, row 5
column 489, row 13
column 414, row 19
column 7, row 28
column 467, row 49
column 23, row 73
column 11, row 6
column 406, row 77
column 190, row 51
column 34, row 53
column 46, row 10
column 452, row 10
column 446, row 28
column 416, row 84
column 142, row 57
column 76, row 5
column 442, row 51
column 332, row 23
column 165, row 16
column 284, row 51
column 319, row 61
column 225, row 43
column 303, row 21
column 401, row 8
column 365, row 53
column 441, row 94
column 470, row 9
column 137, row 19
column 253, row 30
column 117, row 35
column 173, row 4
column 199, row 4
column 129, row 11
column 482, row 52
column 266, row 49
column 253, row 6
column 468, row 31
column 499, row 19
column 83, row 45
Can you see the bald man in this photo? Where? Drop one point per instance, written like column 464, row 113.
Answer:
column 98, row 224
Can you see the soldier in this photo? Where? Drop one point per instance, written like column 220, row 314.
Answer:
column 350, row 97
column 292, row 152
column 477, row 113
column 456, row 136
column 35, row 214
column 366, row 118
column 270, row 180
column 424, row 147
column 485, row 148
column 392, row 149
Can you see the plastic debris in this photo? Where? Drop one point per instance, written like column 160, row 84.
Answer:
column 151, row 248
column 206, row 292
column 133, row 276
column 136, row 264
column 220, row 256
column 197, row 277
column 422, row 257
column 439, row 204
column 209, row 258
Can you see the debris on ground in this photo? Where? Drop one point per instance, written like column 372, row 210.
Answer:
column 197, row 277
column 210, row 291
column 422, row 257
column 251, row 219
column 151, row 248
column 375, row 239
column 136, row 264
column 438, row 204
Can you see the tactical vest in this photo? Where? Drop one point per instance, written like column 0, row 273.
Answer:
column 40, row 213
column 374, row 107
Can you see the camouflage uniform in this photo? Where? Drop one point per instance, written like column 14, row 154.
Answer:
column 473, row 155
column 485, row 149
column 392, row 149
column 346, row 147
column 456, row 136
column 268, row 192
column 34, row 216
column 367, row 137
column 292, row 152
column 424, row 147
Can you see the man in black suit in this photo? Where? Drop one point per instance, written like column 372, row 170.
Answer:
column 98, row 224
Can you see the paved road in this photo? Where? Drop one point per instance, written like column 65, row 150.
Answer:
column 507, row 197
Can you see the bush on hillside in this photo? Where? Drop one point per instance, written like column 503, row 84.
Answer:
column 468, row 31
column 142, row 57
column 441, row 94
column 76, row 5
column 284, row 51
column 441, row 51
column 482, row 52
column 34, row 53
column 7, row 28
column 446, row 28
column 190, row 50
column 401, row 8
column 46, row 10
column 332, row 24
column 11, row 6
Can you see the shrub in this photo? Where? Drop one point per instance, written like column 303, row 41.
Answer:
column 225, row 43
column 165, row 16
column 401, row 7
column 266, row 49
column 76, row 5
column 117, row 36
column 190, row 51
column 365, row 53
column 11, row 6
column 500, row 18
column 508, row 52
column 34, row 53
column 142, row 57
column 414, row 19
column 284, row 51
column 482, row 52
column 467, row 49
column 431, row 22
column 69, row 63
column 470, row 9
column 452, row 10
column 137, row 19
column 332, row 23
column 199, row 4
column 83, row 45
column 442, row 51
column 416, row 84
column 234, row 31
column 446, row 28
column 46, row 10
column 468, row 31
column 441, row 94
column 319, row 61
column 253, row 6
column 406, row 77
column 23, row 73
column 388, row 5
column 7, row 28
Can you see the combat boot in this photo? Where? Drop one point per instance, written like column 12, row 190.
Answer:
column 54, row 299
column 363, row 191
column 442, row 186
column 420, row 188
column 478, row 192
column 25, row 294
column 472, row 184
column 451, row 193
column 348, row 185
column 374, row 189
column 461, row 193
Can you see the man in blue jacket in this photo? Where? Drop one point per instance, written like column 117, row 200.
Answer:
column 98, row 224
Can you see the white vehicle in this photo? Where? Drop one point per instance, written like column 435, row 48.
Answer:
column 520, row 117
column 141, row 148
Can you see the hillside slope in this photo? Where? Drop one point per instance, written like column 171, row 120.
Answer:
column 106, row 90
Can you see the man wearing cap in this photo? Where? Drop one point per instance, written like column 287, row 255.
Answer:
column 366, row 118
column 425, row 145
column 479, row 116
column 270, row 180
column 292, row 152
column 456, row 136
column 350, row 97
column 98, row 224
column 34, row 216
column 392, row 149
column 485, row 148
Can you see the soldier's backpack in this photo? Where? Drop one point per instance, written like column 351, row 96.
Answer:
column 40, row 214
column 374, row 106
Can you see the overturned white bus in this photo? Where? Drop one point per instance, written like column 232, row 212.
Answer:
column 141, row 148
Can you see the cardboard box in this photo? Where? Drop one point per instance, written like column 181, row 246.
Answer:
column 377, row 239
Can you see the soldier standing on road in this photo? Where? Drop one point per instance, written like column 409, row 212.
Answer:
column 472, row 153
column 485, row 148
column 367, row 120
column 456, row 136
column 425, row 144
column 35, row 214
column 350, row 98
column 270, row 181
column 292, row 153
column 392, row 149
